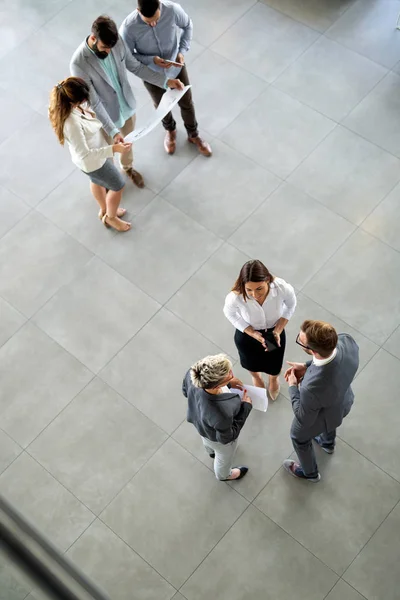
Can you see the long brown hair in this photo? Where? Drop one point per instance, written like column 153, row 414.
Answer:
column 63, row 97
column 253, row 270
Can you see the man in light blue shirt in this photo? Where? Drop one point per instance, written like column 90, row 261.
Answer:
column 102, row 60
column 159, row 32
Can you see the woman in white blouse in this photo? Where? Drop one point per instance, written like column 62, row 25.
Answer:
column 259, row 307
column 75, row 124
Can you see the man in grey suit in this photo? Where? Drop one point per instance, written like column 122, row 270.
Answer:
column 102, row 60
column 320, row 392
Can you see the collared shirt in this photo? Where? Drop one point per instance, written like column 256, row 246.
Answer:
column 163, row 40
column 110, row 69
column 319, row 362
column 280, row 302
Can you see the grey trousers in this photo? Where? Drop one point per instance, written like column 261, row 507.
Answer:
column 306, row 454
column 224, row 454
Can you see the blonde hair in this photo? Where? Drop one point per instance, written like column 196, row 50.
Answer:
column 63, row 97
column 210, row 372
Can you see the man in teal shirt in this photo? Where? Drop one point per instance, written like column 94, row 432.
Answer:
column 102, row 60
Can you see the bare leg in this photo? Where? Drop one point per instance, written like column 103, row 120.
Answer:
column 274, row 386
column 99, row 193
column 112, row 203
column 257, row 379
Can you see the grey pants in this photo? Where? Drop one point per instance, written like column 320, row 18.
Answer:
column 224, row 454
column 306, row 454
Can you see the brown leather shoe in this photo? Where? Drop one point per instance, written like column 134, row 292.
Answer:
column 136, row 177
column 203, row 147
column 170, row 142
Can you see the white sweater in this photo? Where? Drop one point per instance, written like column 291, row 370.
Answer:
column 85, row 140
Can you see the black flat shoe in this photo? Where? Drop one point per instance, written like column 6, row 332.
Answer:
column 243, row 471
column 212, row 455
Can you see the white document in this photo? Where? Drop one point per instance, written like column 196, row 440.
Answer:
column 257, row 395
column 169, row 99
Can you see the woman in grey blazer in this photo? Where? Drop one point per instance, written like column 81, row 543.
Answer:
column 75, row 124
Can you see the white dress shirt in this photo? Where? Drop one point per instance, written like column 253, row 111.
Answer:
column 320, row 362
column 87, row 145
column 280, row 302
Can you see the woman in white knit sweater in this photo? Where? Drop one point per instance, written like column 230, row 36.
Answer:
column 75, row 124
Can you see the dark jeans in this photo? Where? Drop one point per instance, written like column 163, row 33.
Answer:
column 306, row 454
column 185, row 104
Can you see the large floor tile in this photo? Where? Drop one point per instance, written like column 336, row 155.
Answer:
column 39, row 11
column 157, row 167
column 36, row 259
column 236, row 89
column 212, row 18
column 175, row 500
column 220, row 194
column 10, row 321
column 41, row 162
column 29, row 72
column 90, row 320
column 330, row 78
column 12, row 111
column 335, row 518
column 166, row 248
column 12, row 210
column 138, row 370
column 201, row 300
column 96, row 445
column 38, row 379
column 14, row 29
column 384, row 221
column 284, row 139
column 72, row 208
column 342, row 591
column 351, row 283
column 377, row 116
column 44, row 502
column 263, row 444
column 375, row 571
column 271, row 565
column 348, row 174
column 393, row 343
column 369, row 27
column 264, row 42
column 373, row 427
column 318, row 14
column 108, row 561
column 9, row 450
column 265, row 234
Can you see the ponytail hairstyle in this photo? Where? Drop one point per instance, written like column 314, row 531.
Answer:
column 63, row 97
column 254, row 271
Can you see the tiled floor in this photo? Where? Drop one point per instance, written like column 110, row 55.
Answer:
column 300, row 99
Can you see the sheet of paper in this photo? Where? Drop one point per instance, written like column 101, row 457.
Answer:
column 169, row 99
column 258, row 396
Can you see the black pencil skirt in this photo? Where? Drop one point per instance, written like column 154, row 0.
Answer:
column 253, row 356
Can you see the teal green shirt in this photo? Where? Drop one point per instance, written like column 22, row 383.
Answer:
column 125, row 111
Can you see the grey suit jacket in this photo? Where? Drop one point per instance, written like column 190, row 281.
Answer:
column 103, row 97
column 325, row 396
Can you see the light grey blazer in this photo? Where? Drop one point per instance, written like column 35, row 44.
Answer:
column 103, row 97
column 325, row 396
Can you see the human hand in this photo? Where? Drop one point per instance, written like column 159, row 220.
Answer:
column 180, row 58
column 277, row 335
column 175, row 84
column 122, row 148
column 260, row 338
column 118, row 138
column 299, row 369
column 236, row 383
column 160, row 62
column 246, row 398
column 292, row 379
